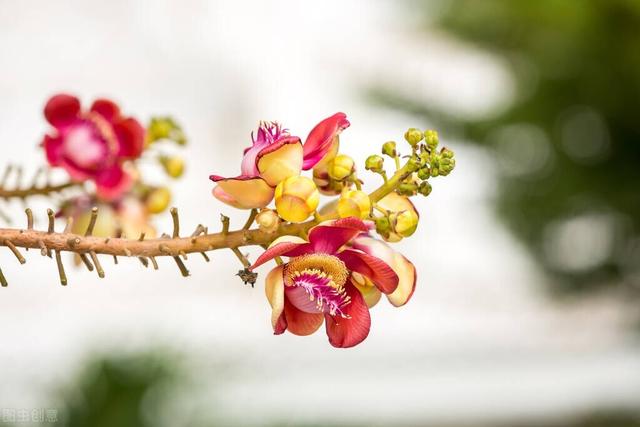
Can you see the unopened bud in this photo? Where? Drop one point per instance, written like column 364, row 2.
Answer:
column 374, row 163
column 354, row 203
column 408, row 188
column 424, row 188
column 404, row 223
column 413, row 136
column 383, row 225
column 173, row 165
column 268, row 220
column 296, row 198
column 389, row 149
column 341, row 167
column 431, row 138
column 158, row 200
column 423, row 173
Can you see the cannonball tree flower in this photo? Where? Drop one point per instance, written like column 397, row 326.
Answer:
column 94, row 144
column 317, row 284
column 274, row 156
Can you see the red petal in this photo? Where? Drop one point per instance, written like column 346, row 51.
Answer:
column 321, row 138
column 130, row 134
column 53, row 149
column 280, row 249
column 106, row 108
column 61, row 109
column 344, row 333
column 112, row 183
column 299, row 322
column 378, row 271
column 329, row 238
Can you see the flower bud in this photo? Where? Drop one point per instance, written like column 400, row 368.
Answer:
column 158, row 200
column 374, row 163
column 341, row 167
column 165, row 128
column 173, row 165
column 413, row 136
column 408, row 188
column 446, row 153
column 431, row 138
column 424, row 188
column 354, row 203
column 423, row 173
column 268, row 220
column 404, row 223
column 296, row 198
column 389, row 148
column 383, row 226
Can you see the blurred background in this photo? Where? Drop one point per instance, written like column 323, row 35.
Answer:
column 526, row 312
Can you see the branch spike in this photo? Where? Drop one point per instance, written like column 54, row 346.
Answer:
column 96, row 262
column 43, row 249
column 141, row 238
column 51, row 221
column 181, row 266
column 252, row 217
column 205, row 256
column 29, row 218
column 115, row 260
column 61, row 273
column 127, row 252
column 154, row 262
column 92, row 221
column 183, row 255
column 86, row 262
column 15, row 251
column 144, row 261
column 225, row 224
column 176, row 223
column 3, row 280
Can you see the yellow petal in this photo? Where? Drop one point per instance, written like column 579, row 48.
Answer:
column 274, row 289
column 244, row 193
column 369, row 292
column 287, row 238
column 280, row 164
column 406, row 272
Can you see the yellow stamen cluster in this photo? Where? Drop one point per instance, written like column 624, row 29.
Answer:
column 322, row 265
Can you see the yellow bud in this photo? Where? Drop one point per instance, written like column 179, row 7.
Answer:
column 173, row 165
column 404, row 223
column 341, row 167
column 158, row 200
column 354, row 203
column 296, row 198
column 268, row 220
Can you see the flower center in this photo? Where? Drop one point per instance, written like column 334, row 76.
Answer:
column 322, row 277
column 84, row 146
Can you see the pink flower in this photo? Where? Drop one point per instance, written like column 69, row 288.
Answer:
column 274, row 156
column 92, row 145
column 322, row 281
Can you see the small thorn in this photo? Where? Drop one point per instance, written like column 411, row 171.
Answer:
column 243, row 259
column 164, row 248
column 198, row 231
column 15, row 251
column 96, row 262
column 205, row 256
column 181, row 266
column 144, row 261
column 107, row 240
column 127, row 252
column 183, row 255
column 61, row 273
column 154, row 262
column 225, row 224
column 43, row 249
column 86, row 262
column 115, row 260
column 141, row 238
column 3, row 280
column 29, row 218
column 51, row 221
column 176, row 222
column 92, row 221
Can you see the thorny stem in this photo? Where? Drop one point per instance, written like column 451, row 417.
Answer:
column 89, row 246
column 23, row 193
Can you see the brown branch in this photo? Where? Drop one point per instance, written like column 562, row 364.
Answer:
column 23, row 193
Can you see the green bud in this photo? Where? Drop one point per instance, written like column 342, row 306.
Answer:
column 389, row 148
column 424, row 188
column 374, row 163
column 414, row 163
column 413, row 136
column 383, row 226
column 431, row 138
column 424, row 173
column 165, row 128
column 435, row 172
column 408, row 188
column 446, row 153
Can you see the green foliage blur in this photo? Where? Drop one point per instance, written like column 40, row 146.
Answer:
column 568, row 146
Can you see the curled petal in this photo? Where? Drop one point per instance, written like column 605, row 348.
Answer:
column 283, row 246
column 369, row 292
column 347, row 332
column 322, row 138
column 406, row 271
column 106, row 108
column 113, row 182
column 274, row 289
column 130, row 134
column 378, row 271
column 280, row 160
column 299, row 322
column 62, row 109
column 242, row 192
column 330, row 238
